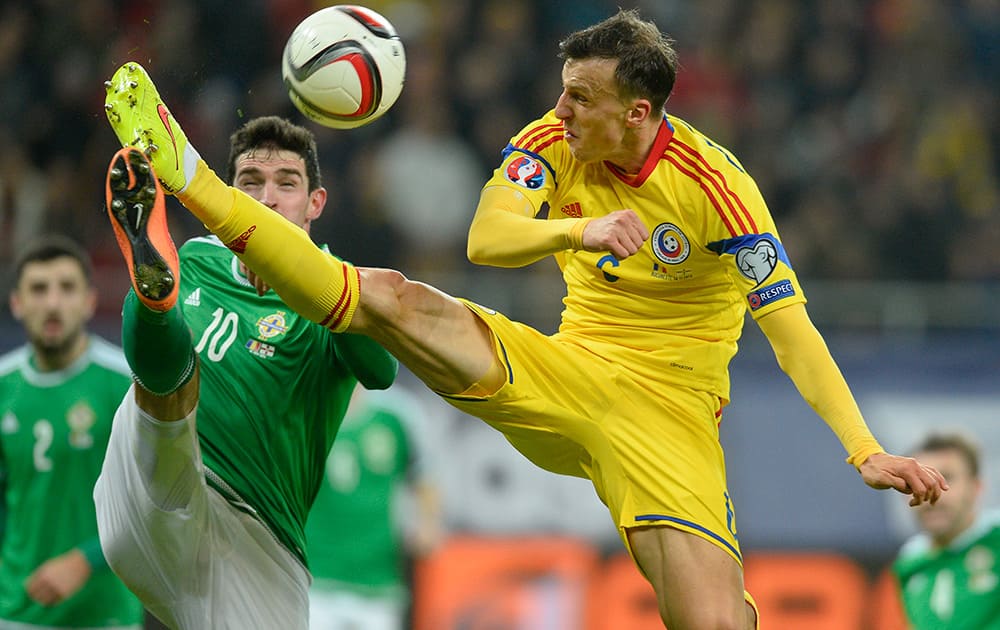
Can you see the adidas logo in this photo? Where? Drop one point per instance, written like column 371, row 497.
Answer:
column 572, row 210
column 239, row 244
column 195, row 298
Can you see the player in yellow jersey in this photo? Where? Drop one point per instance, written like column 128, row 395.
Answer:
column 664, row 242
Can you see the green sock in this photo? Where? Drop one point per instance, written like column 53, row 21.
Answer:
column 157, row 346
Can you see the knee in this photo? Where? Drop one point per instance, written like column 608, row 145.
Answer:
column 383, row 294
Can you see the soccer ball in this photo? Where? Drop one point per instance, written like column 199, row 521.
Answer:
column 343, row 66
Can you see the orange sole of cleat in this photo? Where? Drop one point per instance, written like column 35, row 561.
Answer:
column 136, row 207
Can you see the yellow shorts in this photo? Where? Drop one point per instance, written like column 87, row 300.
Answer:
column 651, row 449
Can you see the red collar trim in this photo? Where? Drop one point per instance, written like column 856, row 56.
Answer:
column 663, row 136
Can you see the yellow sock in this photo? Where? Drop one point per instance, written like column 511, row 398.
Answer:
column 314, row 284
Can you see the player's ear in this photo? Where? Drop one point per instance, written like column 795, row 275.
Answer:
column 90, row 303
column 317, row 201
column 15, row 305
column 638, row 112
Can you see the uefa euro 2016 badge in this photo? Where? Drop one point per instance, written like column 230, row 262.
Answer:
column 525, row 171
column 669, row 244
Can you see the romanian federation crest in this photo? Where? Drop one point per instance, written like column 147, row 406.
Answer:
column 669, row 244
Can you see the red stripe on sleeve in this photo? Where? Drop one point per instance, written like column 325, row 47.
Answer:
column 347, row 303
column 536, row 134
column 344, row 298
column 708, row 191
column 541, row 147
column 706, row 176
column 722, row 179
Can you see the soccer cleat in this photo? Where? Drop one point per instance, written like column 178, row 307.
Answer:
column 139, row 216
column 139, row 118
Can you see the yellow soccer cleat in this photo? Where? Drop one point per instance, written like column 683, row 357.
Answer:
column 139, row 118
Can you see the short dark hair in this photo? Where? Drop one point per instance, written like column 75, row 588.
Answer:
column 49, row 247
column 647, row 61
column 963, row 444
column 275, row 133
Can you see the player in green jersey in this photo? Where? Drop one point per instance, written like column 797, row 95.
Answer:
column 204, row 518
column 58, row 394
column 358, row 548
column 949, row 574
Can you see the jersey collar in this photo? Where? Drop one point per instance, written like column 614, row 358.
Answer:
column 663, row 137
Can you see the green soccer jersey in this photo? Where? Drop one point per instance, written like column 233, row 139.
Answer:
column 353, row 538
column 274, row 388
column 956, row 588
column 54, row 430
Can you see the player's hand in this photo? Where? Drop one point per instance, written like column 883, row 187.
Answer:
column 58, row 578
column 905, row 474
column 622, row 233
column 257, row 282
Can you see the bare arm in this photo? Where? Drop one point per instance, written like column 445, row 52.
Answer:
column 804, row 357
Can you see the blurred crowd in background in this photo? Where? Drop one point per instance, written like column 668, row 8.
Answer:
column 871, row 126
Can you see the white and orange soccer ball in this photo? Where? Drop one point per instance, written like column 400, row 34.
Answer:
column 343, row 66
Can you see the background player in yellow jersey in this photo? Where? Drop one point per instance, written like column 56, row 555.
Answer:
column 664, row 242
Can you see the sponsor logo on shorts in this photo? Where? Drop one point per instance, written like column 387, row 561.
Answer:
column 771, row 293
column 730, row 516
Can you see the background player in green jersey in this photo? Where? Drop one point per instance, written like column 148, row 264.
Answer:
column 58, row 395
column 204, row 519
column 377, row 480
column 949, row 573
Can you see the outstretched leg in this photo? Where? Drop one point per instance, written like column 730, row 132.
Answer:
column 155, row 338
column 433, row 334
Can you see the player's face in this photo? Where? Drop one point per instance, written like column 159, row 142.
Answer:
column 955, row 511
column 593, row 115
column 53, row 301
column 277, row 179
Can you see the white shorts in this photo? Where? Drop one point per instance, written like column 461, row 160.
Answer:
column 194, row 560
column 343, row 610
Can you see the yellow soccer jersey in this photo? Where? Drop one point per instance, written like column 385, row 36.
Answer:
column 713, row 250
